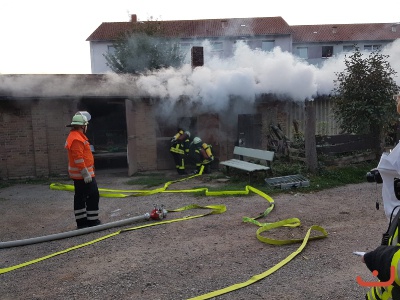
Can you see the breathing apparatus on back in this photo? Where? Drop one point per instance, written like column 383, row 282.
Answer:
column 180, row 136
column 205, row 149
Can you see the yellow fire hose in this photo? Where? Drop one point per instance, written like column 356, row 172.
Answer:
column 215, row 209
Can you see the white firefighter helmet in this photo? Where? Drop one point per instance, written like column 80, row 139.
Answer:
column 187, row 133
column 81, row 118
column 197, row 140
column 85, row 114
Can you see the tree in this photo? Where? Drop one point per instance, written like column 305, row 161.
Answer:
column 363, row 96
column 144, row 48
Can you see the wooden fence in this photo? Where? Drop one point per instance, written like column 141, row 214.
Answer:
column 340, row 149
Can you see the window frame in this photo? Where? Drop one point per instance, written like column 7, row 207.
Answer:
column 302, row 52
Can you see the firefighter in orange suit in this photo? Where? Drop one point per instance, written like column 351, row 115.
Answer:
column 81, row 171
column 180, row 149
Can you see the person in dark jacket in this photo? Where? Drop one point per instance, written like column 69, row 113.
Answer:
column 180, row 149
column 201, row 155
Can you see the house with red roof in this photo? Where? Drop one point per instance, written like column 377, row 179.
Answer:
column 131, row 125
column 313, row 43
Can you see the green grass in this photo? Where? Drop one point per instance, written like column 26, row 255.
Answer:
column 325, row 178
column 148, row 180
column 38, row 180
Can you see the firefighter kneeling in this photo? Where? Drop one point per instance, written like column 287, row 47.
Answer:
column 202, row 155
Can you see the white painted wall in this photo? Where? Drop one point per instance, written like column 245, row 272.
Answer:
column 98, row 49
column 98, row 62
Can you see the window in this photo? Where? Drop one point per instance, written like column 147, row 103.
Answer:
column 372, row 47
column 348, row 48
column 185, row 47
column 267, row 45
column 327, row 51
column 217, row 47
column 302, row 52
column 243, row 40
column 111, row 50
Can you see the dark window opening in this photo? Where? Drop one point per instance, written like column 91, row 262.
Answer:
column 107, row 131
column 327, row 51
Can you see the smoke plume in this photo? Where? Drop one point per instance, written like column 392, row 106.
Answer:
column 249, row 73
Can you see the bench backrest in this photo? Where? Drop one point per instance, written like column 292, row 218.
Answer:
column 254, row 153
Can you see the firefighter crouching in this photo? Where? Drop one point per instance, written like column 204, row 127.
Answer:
column 81, row 171
column 179, row 149
column 202, row 155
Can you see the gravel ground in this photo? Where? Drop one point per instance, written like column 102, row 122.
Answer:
column 182, row 260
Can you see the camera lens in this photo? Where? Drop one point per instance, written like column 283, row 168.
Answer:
column 370, row 177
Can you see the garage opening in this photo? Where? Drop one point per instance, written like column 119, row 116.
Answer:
column 107, row 131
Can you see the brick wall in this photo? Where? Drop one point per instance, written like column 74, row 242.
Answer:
column 142, row 140
column 17, row 141
column 146, row 142
column 33, row 135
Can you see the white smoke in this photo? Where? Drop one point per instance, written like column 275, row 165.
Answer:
column 393, row 51
column 246, row 75
column 249, row 73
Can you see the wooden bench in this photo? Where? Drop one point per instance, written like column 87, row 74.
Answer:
column 246, row 154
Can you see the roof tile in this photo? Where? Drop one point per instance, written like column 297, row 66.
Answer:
column 200, row 28
column 209, row 28
column 345, row 32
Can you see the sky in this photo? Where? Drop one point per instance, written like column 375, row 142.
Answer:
column 49, row 36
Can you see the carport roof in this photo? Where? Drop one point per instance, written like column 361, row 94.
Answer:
column 67, row 86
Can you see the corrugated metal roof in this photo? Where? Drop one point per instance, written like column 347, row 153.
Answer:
column 345, row 32
column 199, row 28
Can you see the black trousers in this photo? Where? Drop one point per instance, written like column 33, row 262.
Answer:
column 179, row 160
column 86, row 201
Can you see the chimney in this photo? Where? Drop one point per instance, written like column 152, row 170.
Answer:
column 133, row 18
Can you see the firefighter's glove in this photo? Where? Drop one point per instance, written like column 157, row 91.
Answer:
column 86, row 175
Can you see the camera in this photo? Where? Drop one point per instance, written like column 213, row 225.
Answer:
column 374, row 176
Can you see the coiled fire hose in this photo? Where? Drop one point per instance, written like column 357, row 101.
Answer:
column 215, row 209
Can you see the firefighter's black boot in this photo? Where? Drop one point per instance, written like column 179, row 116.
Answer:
column 91, row 223
column 81, row 223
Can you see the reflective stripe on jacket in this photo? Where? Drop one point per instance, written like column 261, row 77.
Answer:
column 79, row 154
column 375, row 293
column 177, row 148
column 180, row 147
column 392, row 253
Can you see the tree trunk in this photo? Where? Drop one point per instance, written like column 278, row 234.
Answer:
column 309, row 136
column 379, row 140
